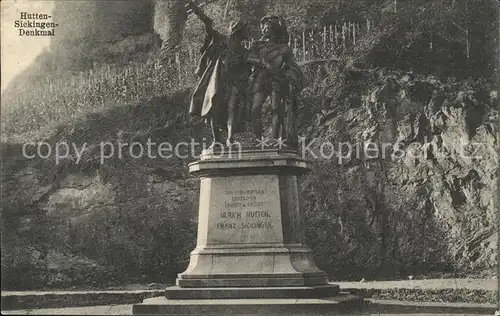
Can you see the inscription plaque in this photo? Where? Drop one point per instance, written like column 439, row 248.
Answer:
column 247, row 210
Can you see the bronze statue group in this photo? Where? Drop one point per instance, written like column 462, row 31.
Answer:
column 235, row 81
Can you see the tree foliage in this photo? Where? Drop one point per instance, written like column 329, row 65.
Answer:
column 448, row 38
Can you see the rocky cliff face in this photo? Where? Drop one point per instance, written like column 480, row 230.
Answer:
column 431, row 193
column 93, row 31
column 429, row 210
column 93, row 224
column 426, row 206
column 102, row 21
column 98, row 31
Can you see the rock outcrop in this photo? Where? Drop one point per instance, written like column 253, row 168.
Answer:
column 96, row 31
column 430, row 193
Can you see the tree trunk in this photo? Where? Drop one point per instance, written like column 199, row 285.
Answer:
column 467, row 41
column 169, row 22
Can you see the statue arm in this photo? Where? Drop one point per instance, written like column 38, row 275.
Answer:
column 208, row 22
column 288, row 59
column 256, row 60
column 284, row 31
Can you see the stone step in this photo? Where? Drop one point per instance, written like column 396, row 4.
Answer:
column 33, row 300
column 38, row 301
column 343, row 304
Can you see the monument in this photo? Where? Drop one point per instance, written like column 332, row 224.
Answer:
column 251, row 256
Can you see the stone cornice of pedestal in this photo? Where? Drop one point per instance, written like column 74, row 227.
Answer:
column 251, row 161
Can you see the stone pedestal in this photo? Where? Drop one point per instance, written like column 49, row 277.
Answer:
column 251, row 242
column 250, row 230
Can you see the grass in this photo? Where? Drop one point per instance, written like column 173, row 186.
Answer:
column 33, row 109
column 30, row 112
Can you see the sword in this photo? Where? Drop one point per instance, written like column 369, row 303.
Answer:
column 189, row 11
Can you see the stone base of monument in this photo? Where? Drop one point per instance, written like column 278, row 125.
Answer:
column 178, row 293
column 342, row 304
column 251, row 249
